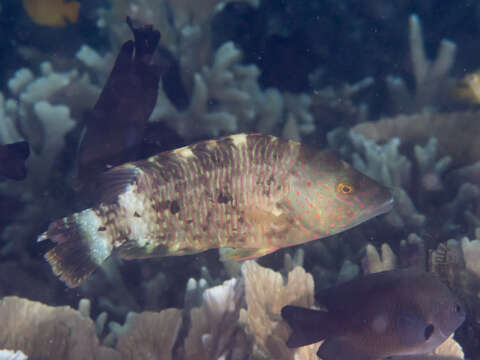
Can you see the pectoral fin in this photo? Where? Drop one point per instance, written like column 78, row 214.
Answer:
column 244, row 254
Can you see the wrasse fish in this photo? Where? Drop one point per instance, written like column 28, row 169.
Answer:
column 12, row 160
column 52, row 12
column 398, row 312
column 253, row 193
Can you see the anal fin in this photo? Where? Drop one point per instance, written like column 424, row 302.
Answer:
column 308, row 326
column 131, row 250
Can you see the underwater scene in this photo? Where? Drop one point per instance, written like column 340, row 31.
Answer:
column 239, row 180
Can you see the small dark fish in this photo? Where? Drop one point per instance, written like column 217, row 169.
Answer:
column 115, row 127
column 398, row 312
column 12, row 160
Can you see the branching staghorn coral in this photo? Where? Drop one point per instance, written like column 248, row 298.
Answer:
column 432, row 85
column 416, row 179
column 224, row 94
column 41, row 109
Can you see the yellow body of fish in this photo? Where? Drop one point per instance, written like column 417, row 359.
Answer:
column 56, row 13
column 468, row 88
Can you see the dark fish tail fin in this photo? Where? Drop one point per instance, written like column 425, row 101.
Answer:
column 308, row 326
column 81, row 242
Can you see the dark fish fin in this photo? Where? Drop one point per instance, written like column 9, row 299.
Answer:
column 339, row 348
column 146, row 41
column 12, row 160
column 308, row 326
column 172, row 82
column 80, row 246
column 19, row 150
column 116, row 126
column 115, row 182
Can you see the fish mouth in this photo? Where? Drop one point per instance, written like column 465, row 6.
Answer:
column 385, row 207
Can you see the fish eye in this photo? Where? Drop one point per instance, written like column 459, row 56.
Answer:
column 456, row 308
column 427, row 333
column 344, row 188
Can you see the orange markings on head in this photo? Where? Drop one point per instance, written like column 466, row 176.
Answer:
column 344, row 189
column 317, row 216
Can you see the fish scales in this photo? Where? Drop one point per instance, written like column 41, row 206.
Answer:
column 250, row 192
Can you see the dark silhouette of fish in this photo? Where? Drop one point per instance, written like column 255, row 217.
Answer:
column 398, row 312
column 115, row 127
column 12, row 160
column 250, row 192
column 115, row 130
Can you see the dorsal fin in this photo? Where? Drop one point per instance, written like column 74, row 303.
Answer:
column 115, row 182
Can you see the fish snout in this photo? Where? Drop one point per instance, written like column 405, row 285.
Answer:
column 385, row 206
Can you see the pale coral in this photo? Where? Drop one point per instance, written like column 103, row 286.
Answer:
column 151, row 335
column 266, row 294
column 47, row 332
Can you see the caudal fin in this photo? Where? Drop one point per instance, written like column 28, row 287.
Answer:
column 308, row 326
column 81, row 245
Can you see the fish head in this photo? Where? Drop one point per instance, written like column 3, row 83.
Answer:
column 448, row 315
column 438, row 314
column 330, row 196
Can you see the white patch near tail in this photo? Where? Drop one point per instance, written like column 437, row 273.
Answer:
column 239, row 139
column 135, row 209
column 98, row 242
